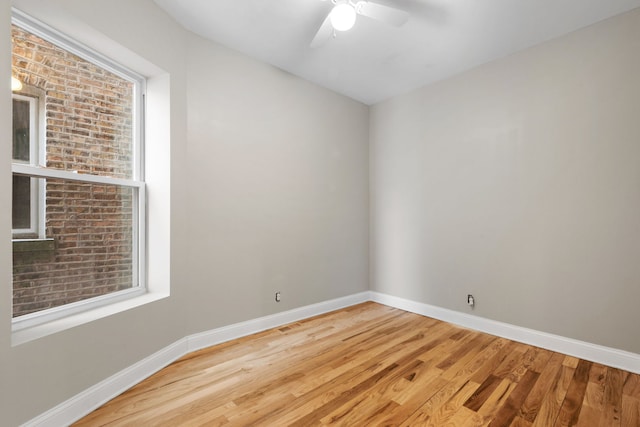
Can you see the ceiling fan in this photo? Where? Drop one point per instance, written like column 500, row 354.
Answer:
column 343, row 16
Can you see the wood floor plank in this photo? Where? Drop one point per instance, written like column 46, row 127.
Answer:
column 531, row 406
column 593, row 402
column 520, row 422
column 472, row 350
column 370, row 365
column 492, row 405
column 509, row 365
column 571, row 362
column 483, row 392
column 630, row 411
column 495, row 361
column 552, row 402
column 594, row 395
column 536, row 359
column 631, row 386
column 446, row 414
column 507, row 413
column 611, row 414
column 570, row 410
column 213, row 415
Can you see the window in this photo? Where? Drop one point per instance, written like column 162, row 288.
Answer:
column 28, row 209
column 77, row 177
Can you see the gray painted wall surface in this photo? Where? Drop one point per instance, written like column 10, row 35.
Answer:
column 280, row 195
column 519, row 182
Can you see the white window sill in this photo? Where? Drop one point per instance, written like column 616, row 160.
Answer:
column 38, row 331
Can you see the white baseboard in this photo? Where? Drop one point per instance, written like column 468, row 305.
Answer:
column 95, row 396
column 581, row 349
column 83, row 403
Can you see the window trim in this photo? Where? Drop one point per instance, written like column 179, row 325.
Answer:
column 136, row 182
column 36, row 150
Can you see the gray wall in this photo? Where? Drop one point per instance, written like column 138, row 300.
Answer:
column 519, row 182
column 279, row 200
column 269, row 179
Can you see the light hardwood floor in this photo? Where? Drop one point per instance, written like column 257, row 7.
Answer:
column 373, row 365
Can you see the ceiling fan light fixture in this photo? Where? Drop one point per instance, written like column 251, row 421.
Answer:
column 343, row 17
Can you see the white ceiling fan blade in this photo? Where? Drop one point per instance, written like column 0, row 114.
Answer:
column 323, row 34
column 388, row 15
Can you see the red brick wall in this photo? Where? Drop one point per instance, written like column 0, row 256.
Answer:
column 88, row 129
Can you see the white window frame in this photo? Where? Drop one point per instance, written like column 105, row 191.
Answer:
column 36, row 124
column 136, row 183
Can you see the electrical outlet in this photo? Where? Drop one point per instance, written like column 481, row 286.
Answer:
column 471, row 300
column 278, row 297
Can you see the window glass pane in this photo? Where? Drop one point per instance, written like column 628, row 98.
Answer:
column 88, row 109
column 92, row 254
column 21, row 202
column 21, row 136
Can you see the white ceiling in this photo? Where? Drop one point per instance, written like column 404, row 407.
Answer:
column 373, row 61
